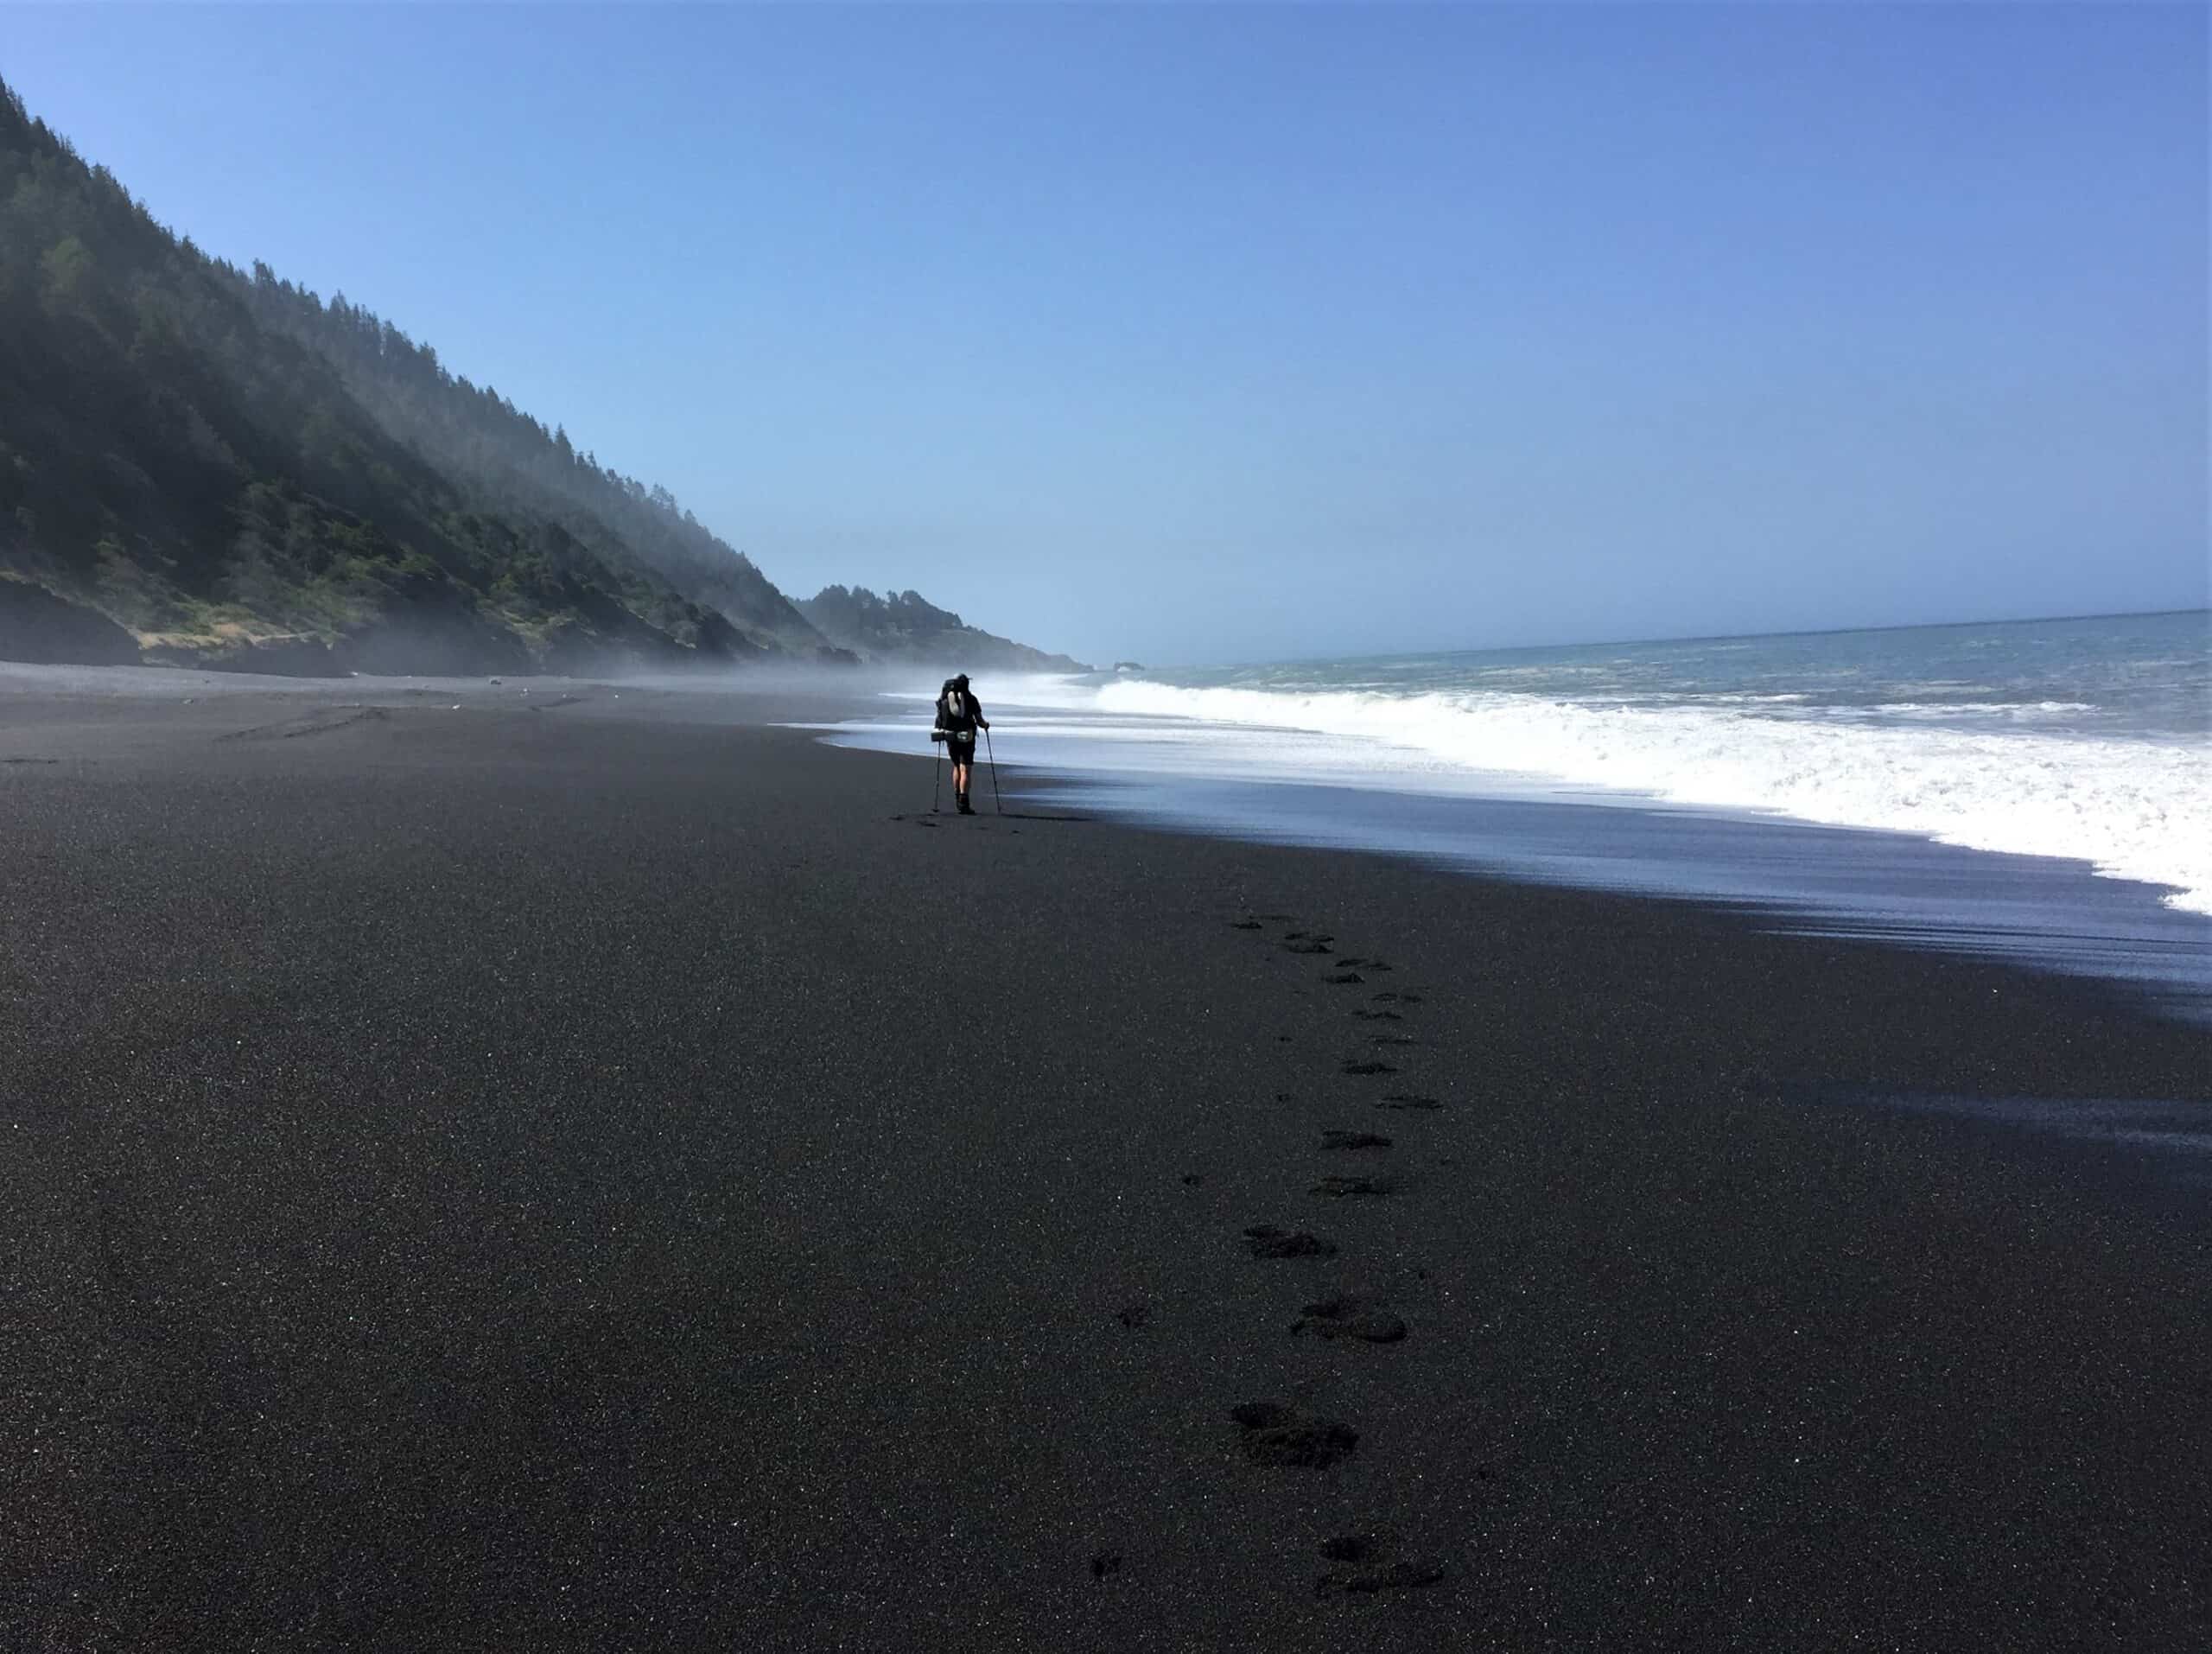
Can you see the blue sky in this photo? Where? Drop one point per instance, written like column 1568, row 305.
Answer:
column 1198, row 333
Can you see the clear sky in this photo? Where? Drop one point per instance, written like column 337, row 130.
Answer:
column 1191, row 334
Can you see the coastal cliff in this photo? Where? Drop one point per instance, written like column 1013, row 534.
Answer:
column 906, row 627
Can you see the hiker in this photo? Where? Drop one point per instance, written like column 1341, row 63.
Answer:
column 959, row 715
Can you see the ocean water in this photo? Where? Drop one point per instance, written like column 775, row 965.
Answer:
column 2038, row 789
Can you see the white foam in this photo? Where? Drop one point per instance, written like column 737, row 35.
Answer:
column 2134, row 808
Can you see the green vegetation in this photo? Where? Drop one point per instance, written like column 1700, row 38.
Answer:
column 241, row 475
column 216, row 468
column 906, row 627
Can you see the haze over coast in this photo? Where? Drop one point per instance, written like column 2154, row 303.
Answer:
column 528, row 1119
column 201, row 466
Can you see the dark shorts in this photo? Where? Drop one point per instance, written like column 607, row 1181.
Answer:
column 961, row 750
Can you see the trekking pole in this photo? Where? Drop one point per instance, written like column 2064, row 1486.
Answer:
column 991, row 751
column 937, row 779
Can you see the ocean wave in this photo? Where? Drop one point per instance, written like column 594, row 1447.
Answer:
column 2132, row 809
column 1968, row 708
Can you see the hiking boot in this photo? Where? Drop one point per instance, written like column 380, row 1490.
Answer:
column 964, row 809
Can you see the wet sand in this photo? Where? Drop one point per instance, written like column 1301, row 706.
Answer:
column 613, row 1174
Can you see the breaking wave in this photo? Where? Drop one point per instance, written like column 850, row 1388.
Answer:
column 2132, row 808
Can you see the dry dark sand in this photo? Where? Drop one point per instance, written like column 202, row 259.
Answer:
column 608, row 1178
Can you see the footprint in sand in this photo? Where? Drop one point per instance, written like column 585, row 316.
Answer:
column 1134, row 1316
column 1305, row 947
column 313, row 723
column 1244, row 925
column 1265, row 1240
column 1378, row 1016
column 1276, row 1435
column 1386, row 997
column 1350, row 1315
column 1402, row 1100
column 1368, row 1572
column 1346, row 977
column 1354, row 1140
column 1348, row 1188
column 1358, row 1067
column 1395, row 1040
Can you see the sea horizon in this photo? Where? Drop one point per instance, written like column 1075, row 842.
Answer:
column 2204, row 609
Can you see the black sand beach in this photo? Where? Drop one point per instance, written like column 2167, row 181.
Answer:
column 613, row 1175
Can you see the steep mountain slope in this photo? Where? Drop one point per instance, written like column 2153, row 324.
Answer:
column 212, row 462
column 511, row 461
column 906, row 627
column 201, row 465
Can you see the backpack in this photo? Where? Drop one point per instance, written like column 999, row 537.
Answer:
column 952, row 713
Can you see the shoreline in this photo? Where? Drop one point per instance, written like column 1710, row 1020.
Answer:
column 552, row 1176
column 2081, row 742
column 1806, row 878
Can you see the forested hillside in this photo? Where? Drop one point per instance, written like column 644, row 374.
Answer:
column 906, row 626
column 514, row 462
column 241, row 475
column 201, row 466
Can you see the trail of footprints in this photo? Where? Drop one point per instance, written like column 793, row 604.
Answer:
column 1275, row 1434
